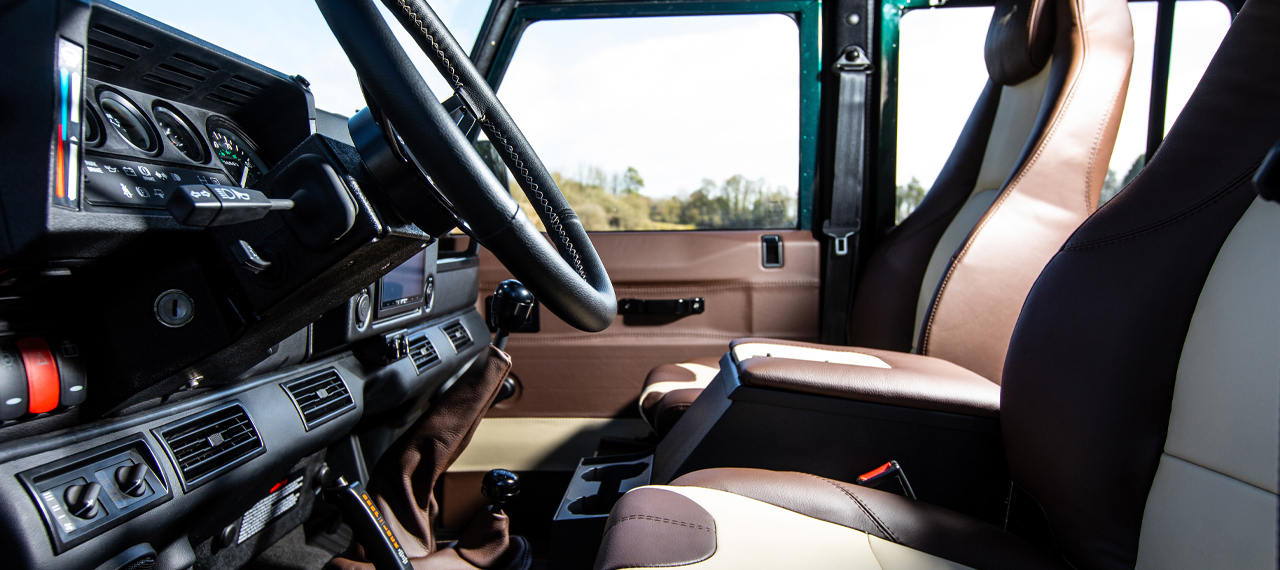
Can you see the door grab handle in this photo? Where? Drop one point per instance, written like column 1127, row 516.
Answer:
column 691, row 306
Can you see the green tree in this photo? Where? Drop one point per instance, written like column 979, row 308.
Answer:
column 1112, row 187
column 614, row 203
column 908, row 197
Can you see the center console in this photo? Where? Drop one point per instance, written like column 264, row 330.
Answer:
column 840, row 412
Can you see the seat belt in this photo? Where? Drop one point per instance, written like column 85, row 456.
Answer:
column 845, row 217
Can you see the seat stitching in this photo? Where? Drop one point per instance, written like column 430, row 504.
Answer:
column 1179, row 217
column 1067, row 98
column 693, row 526
column 863, row 506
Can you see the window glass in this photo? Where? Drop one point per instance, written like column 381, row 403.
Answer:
column 1129, row 155
column 669, row 123
column 942, row 71
column 292, row 37
column 1198, row 29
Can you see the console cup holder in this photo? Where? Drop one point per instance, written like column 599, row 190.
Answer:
column 614, row 472
column 611, row 489
column 594, row 504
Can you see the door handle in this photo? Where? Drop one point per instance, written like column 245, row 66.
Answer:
column 690, row 306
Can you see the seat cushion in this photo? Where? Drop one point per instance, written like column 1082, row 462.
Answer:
column 671, row 388
column 750, row 518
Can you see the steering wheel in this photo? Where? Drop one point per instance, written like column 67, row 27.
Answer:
column 566, row 275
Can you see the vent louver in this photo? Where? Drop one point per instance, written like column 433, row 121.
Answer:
column 422, row 352
column 458, row 335
column 320, row 397
column 209, row 444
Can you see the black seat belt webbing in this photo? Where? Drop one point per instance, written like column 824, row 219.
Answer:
column 845, row 217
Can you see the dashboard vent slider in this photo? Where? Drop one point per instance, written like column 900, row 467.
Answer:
column 209, row 444
column 422, row 351
column 320, row 397
column 458, row 335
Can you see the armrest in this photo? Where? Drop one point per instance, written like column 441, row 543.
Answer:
column 867, row 375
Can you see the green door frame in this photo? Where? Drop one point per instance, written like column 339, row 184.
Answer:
column 806, row 13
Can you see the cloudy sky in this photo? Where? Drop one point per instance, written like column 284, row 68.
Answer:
column 682, row 99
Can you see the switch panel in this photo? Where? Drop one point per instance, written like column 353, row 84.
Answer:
column 89, row 493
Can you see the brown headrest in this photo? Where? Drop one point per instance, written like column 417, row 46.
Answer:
column 1020, row 40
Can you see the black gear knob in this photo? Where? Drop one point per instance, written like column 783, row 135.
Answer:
column 511, row 307
column 500, row 485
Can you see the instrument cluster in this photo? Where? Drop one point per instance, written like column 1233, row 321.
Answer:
column 139, row 148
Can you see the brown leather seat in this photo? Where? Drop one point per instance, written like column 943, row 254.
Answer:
column 1139, row 404
column 1027, row 169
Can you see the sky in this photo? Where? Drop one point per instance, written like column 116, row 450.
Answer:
column 937, row 87
column 679, row 99
column 682, row 99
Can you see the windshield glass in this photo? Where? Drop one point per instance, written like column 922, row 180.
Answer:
column 291, row 37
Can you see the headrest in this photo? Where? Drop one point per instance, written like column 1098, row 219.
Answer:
column 1020, row 40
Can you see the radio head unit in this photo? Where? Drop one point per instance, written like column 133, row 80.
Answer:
column 404, row 288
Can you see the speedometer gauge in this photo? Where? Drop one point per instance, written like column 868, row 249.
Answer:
column 236, row 153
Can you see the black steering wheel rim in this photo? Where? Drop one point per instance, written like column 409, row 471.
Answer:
column 565, row 274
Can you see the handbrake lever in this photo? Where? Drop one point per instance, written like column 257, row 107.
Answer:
column 371, row 530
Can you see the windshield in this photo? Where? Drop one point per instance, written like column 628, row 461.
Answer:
column 291, row 36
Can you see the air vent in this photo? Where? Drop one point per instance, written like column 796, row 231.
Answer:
column 422, row 352
column 216, row 98
column 211, row 443
column 458, row 335
column 166, row 82
column 113, row 49
column 320, row 397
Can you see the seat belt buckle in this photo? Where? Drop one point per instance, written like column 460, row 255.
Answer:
column 888, row 477
column 841, row 235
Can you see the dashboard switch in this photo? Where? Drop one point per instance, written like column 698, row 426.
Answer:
column 82, row 500
column 71, row 374
column 205, row 205
column 249, row 258
column 132, row 479
column 13, row 382
column 43, row 385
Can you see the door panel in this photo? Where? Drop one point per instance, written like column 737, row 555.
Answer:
column 564, row 372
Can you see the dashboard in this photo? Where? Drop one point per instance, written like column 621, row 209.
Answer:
column 175, row 389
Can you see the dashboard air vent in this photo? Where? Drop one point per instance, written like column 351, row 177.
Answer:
column 458, row 335
column 422, row 351
column 114, row 49
column 320, row 397
column 209, row 444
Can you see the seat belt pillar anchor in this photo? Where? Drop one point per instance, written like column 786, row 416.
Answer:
column 841, row 234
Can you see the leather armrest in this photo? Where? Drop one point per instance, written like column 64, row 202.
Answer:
column 867, row 375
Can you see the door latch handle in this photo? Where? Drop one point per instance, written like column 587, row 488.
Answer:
column 691, row 306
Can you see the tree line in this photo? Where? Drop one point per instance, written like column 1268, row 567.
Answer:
column 616, row 202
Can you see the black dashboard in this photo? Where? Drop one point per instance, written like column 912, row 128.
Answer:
column 171, row 392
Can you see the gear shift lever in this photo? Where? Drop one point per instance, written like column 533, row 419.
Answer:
column 512, row 304
column 500, row 486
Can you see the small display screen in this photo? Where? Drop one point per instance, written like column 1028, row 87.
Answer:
column 404, row 284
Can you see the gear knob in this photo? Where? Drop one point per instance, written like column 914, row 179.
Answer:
column 500, row 485
column 512, row 304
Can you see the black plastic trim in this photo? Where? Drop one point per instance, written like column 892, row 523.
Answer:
column 286, row 386
column 188, row 486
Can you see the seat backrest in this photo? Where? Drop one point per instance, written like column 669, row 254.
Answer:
column 1141, row 397
column 1027, row 169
